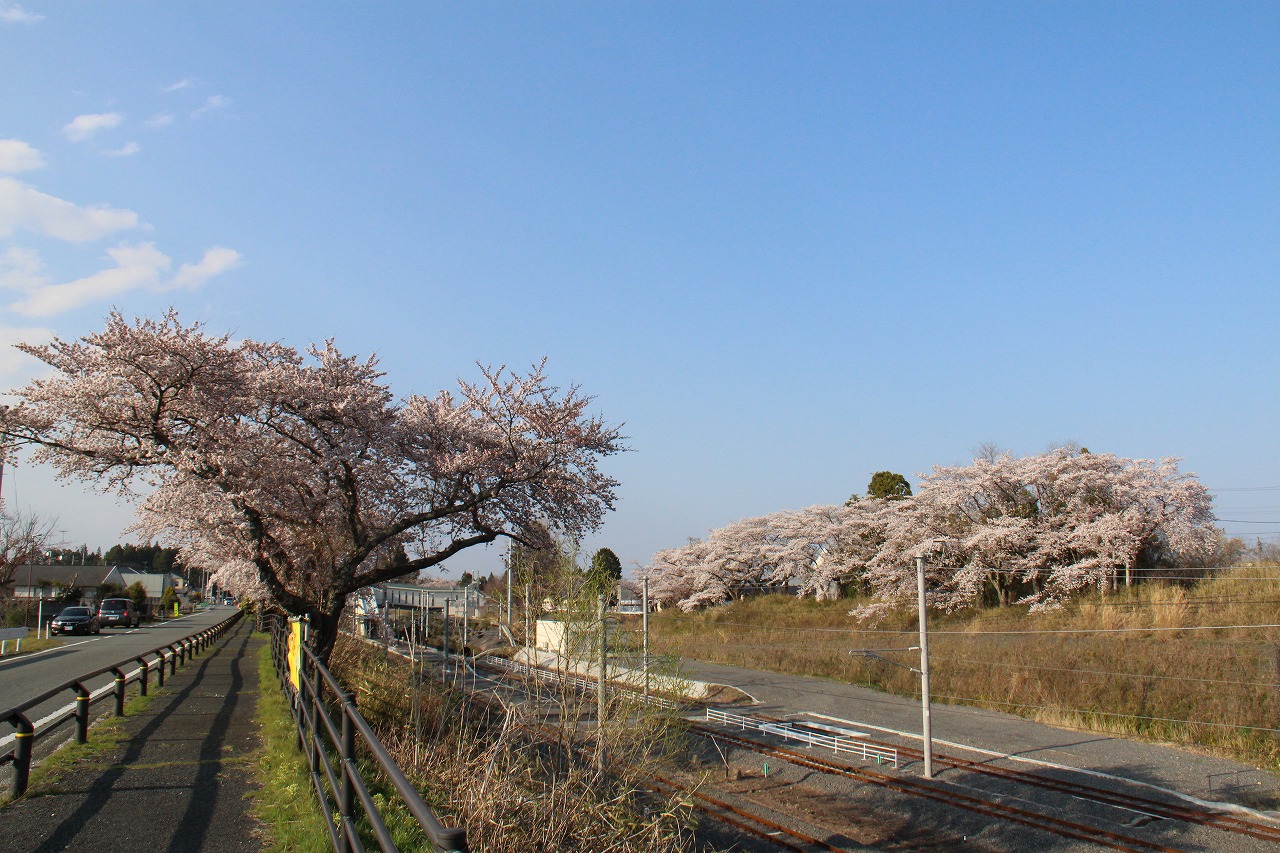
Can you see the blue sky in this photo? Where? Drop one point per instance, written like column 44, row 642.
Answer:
column 788, row 245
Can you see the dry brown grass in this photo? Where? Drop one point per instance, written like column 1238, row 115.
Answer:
column 1120, row 665
column 517, row 783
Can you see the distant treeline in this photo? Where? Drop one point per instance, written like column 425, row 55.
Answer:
column 148, row 558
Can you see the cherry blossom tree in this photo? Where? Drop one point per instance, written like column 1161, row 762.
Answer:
column 1038, row 529
column 1035, row 530
column 297, row 477
column 774, row 550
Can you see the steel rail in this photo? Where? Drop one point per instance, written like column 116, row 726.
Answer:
column 717, row 811
column 1165, row 810
column 1134, row 802
column 1035, row 820
column 1048, row 823
column 721, row 812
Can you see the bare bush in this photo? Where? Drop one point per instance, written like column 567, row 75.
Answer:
column 523, row 776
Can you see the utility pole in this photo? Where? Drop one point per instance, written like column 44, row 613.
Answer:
column 466, row 609
column 444, row 650
column 528, row 594
column 601, row 682
column 386, row 619
column 927, row 727
column 644, row 621
column 508, row 586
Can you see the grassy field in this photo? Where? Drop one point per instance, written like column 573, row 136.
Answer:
column 1158, row 661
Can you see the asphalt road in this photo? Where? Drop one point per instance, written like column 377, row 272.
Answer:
column 25, row 676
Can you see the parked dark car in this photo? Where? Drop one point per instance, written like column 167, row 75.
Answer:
column 118, row 611
column 75, row 620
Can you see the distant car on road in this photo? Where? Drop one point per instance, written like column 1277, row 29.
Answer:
column 118, row 611
column 75, row 620
column 228, row 601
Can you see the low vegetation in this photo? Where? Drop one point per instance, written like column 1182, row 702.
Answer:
column 1161, row 661
column 519, row 783
column 284, row 803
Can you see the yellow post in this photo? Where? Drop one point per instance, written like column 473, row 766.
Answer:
column 294, row 654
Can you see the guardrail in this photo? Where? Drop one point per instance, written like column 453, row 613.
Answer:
column 314, row 704
column 26, row 734
column 868, row 752
column 15, row 634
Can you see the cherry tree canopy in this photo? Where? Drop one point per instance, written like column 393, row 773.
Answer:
column 296, row 477
column 1036, row 529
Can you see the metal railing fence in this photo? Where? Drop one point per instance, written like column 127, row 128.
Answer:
column 330, row 728
column 26, row 733
column 866, row 751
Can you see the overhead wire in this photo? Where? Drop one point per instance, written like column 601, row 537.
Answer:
column 1002, row 665
column 973, row 633
column 980, row 702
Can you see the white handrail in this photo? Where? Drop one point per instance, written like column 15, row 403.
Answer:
column 868, row 752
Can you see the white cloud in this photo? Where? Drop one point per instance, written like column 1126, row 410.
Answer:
column 124, row 151
column 159, row 120
column 179, row 86
column 13, row 13
column 18, row 156
column 215, row 262
column 136, row 266
column 22, row 270
column 82, row 127
column 24, row 207
column 213, row 102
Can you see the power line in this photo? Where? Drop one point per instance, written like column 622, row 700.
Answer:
column 1103, row 630
column 1044, row 631
column 998, row 665
column 981, row 702
column 1249, row 489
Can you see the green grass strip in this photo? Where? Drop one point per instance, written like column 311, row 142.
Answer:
column 284, row 803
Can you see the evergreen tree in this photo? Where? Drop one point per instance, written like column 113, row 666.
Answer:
column 605, row 571
column 887, row 484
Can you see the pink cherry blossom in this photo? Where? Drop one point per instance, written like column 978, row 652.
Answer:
column 1034, row 530
column 295, row 476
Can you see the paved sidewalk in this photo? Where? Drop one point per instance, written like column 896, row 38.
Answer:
column 178, row 783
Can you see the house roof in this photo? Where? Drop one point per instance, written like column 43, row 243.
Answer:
column 28, row 575
column 155, row 583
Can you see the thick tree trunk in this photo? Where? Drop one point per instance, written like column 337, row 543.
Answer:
column 323, row 632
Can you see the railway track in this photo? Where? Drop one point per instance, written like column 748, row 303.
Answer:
column 762, row 827
column 1133, row 802
column 918, row 788
column 1156, row 808
column 737, row 816
column 746, row 821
